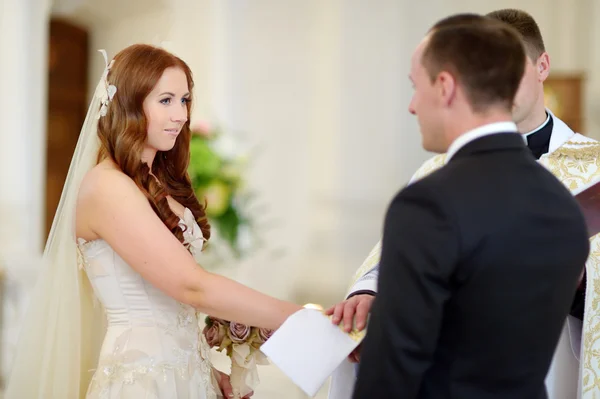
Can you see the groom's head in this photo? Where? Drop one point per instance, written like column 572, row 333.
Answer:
column 467, row 68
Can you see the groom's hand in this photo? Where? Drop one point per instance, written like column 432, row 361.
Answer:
column 357, row 306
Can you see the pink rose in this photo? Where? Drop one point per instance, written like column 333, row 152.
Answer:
column 202, row 128
column 239, row 333
column 215, row 332
column 264, row 334
column 260, row 336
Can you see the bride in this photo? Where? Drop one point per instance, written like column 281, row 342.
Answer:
column 114, row 312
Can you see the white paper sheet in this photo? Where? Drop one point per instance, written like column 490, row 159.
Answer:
column 308, row 348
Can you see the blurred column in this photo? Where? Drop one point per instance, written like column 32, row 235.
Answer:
column 592, row 87
column 23, row 70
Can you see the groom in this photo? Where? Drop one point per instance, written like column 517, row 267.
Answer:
column 470, row 246
column 572, row 158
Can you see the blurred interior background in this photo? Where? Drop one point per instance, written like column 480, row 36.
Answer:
column 313, row 94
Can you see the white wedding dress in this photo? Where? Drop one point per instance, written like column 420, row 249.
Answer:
column 153, row 346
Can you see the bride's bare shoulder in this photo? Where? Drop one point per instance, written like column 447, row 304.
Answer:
column 105, row 179
column 103, row 191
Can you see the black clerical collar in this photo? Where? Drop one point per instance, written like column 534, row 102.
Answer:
column 538, row 140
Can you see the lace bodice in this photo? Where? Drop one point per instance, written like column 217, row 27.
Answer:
column 152, row 341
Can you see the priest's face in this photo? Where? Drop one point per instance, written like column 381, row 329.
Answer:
column 425, row 104
column 530, row 93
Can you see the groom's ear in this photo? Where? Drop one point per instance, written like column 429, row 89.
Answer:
column 446, row 86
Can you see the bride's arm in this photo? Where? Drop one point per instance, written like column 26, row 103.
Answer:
column 120, row 214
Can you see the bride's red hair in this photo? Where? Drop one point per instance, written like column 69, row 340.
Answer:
column 123, row 133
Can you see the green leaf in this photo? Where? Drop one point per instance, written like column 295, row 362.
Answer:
column 228, row 224
column 204, row 162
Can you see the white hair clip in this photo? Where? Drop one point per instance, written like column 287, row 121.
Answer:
column 104, row 91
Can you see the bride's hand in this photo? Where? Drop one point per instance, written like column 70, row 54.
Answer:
column 225, row 385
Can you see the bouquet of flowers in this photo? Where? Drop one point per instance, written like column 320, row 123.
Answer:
column 216, row 169
column 242, row 344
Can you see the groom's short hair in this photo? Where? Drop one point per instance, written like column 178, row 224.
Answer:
column 485, row 56
column 523, row 23
column 457, row 19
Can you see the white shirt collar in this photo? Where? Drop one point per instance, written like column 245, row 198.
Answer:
column 478, row 132
column 539, row 127
column 561, row 133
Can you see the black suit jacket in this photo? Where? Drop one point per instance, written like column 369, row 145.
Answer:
column 479, row 266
